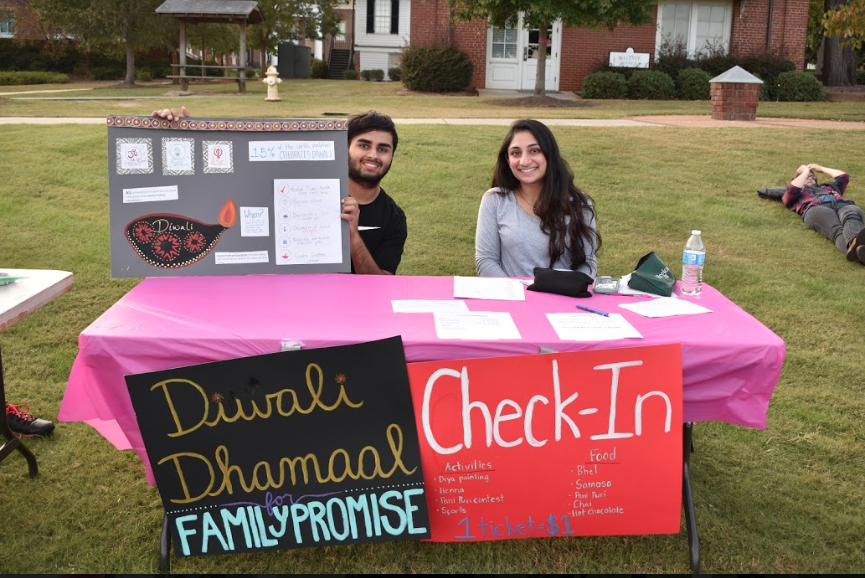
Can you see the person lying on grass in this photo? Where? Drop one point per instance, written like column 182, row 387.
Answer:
column 824, row 208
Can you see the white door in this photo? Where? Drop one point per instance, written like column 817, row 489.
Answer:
column 512, row 57
column 530, row 47
column 504, row 58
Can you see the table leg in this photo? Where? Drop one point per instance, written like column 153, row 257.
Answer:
column 688, row 498
column 12, row 441
column 165, row 547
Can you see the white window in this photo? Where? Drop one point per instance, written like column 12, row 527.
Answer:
column 505, row 42
column 340, row 34
column 701, row 27
column 382, row 17
column 7, row 28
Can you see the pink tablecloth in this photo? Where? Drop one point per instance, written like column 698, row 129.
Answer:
column 730, row 361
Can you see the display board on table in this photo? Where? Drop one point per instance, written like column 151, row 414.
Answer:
column 584, row 443
column 349, row 444
column 227, row 197
column 286, row 450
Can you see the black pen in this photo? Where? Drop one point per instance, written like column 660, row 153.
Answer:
column 595, row 311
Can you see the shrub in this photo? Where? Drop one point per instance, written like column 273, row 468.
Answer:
column 767, row 67
column 366, row 75
column 38, row 56
column 319, row 68
column 350, row 74
column 20, row 78
column 107, row 73
column 673, row 57
column 693, row 84
column 799, row 87
column 651, row 85
column 626, row 72
column 395, row 73
column 436, row 69
column 143, row 75
column 605, row 85
column 376, row 74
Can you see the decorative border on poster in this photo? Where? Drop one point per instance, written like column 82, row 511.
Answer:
column 241, row 125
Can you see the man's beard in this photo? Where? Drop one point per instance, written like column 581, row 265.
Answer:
column 355, row 174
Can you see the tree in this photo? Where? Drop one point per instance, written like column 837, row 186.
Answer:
column 839, row 57
column 847, row 21
column 127, row 25
column 218, row 39
column 284, row 20
column 541, row 14
column 815, row 35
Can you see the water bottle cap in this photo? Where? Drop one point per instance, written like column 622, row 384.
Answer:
column 696, row 232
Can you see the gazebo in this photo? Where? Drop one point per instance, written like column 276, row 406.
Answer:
column 212, row 11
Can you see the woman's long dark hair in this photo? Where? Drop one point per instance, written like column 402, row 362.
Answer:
column 560, row 198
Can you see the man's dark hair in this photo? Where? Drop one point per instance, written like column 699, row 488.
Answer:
column 368, row 121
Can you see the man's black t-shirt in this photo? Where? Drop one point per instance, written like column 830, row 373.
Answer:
column 385, row 242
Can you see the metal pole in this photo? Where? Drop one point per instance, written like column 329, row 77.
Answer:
column 242, row 77
column 184, row 82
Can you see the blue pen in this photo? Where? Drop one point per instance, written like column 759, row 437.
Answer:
column 595, row 311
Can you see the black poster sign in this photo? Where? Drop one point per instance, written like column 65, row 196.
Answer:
column 287, row 450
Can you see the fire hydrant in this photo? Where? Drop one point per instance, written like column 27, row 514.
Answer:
column 272, row 81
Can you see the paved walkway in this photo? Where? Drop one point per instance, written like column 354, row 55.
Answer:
column 634, row 121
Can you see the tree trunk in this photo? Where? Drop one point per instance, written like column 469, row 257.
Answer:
column 541, row 74
column 839, row 63
column 130, row 64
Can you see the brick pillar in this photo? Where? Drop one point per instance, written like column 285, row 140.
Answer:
column 735, row 95
column 735, row 101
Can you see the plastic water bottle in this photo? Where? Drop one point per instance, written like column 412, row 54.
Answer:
column 693, row 259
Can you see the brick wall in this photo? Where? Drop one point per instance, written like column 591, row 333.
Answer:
column 585, row 49
column 347, row 17
column 430, row 25
column 789, row 28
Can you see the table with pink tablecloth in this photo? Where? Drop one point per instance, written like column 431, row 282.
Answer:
column 730, row 361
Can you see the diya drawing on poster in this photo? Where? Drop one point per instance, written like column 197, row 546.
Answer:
column 172, row 241
column 285, row 450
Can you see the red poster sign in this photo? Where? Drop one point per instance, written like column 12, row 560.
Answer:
column 561, row 444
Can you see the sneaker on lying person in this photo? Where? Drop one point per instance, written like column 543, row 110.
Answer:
column 22, row 423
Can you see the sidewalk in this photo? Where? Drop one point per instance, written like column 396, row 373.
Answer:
column 634, row 121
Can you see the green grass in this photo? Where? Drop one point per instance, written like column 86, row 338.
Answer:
column 787, row 499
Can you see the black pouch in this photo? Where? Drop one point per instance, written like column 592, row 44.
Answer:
column 652, row 276
column 570, row 283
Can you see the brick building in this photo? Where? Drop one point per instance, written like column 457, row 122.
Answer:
column 505, row 58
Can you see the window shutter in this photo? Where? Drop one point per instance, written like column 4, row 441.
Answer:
column 370, row 16
column 394, row 16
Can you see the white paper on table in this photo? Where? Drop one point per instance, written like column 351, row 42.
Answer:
column 625, row 290
column 475, row 325
column 592, row 327
column 499, row 288
column 664, row 307
column 427, row 305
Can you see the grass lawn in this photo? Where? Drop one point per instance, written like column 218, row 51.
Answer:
column 787, row 499
column 319, row 98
